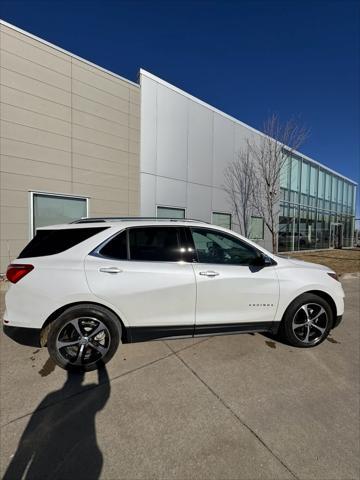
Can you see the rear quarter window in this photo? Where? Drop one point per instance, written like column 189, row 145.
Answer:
column 51, row 242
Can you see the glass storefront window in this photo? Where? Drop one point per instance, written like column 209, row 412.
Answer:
column 52, row 209
column 257, row 228
column 169, row 212
column 222, row 219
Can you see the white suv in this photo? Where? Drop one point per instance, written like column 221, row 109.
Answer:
column 85, row 286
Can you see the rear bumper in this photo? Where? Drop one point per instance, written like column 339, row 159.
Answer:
column 24, row 336
column 337, row 321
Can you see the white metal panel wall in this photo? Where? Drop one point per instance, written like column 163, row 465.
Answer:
column 185, row 148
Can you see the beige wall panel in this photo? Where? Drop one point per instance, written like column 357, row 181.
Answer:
column 33, row 70
column 134, row 196
column 12, row 181
column 37, row 169
column 135, row 96
column 34, row 136
column 36, row 43
column 101, row 193
column 13, row 215
column 134, row 209
column 32, row 119
column 13, row 198
column 15, row 231
column 118, row 210
column 134, row 135
column 98, row 151
column 100, row 138
column 134, row 172
column 34, row 87
column 134, row 147
column 100, row 179
column 34, row 103
column 134, row 109
column 36, row 51
column 84, row 90
column 100, row 81
column 9, row 251
column 107, row 207
column 102, row 111
column 134, row 122
column 134, row 160
column 84, row 162
column 102, row 125
column 14, row 148
column 134, row 184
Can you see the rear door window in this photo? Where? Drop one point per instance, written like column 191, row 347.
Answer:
column 116, row 248
column 51, row 242
column 156, row 244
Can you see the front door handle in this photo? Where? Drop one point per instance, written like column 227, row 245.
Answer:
column 210, row 273
column 110, row 270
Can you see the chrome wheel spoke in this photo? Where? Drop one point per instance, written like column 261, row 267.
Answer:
column 62, row 344
column 76, row 325
column 306, row 339
column 321, row 330
column 100, row 348
column 322, row 310
column 305, row 309
column 298, row 325
column 97, row 330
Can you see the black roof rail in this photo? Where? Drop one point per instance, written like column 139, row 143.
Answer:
column 124, row 219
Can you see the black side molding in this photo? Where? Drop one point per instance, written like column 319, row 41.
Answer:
column 142, row 334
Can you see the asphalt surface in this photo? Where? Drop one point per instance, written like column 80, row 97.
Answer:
column 229, row 407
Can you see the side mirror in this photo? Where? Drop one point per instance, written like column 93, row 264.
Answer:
column 262, row 260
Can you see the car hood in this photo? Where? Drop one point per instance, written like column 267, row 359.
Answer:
column 302, row 264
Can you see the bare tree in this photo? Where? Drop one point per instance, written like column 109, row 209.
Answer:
column 239, row 186
column 270, row 154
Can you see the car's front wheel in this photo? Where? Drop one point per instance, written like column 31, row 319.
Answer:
column 84, row 337
column 307, row 321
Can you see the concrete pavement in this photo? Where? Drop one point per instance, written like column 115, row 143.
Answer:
column 229, row 407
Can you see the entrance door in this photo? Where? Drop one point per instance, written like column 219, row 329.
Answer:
column 336, row 235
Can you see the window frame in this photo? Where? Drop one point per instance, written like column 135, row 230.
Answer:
column 221, row 213
column 219, row 232
column 33, row 193
column 263, row 228
column 183, row 242
column 183, row 209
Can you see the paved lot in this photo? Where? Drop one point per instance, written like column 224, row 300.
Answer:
column 231, row 407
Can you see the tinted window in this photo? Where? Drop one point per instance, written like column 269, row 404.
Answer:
column 116, row 248
column 50, row 242
column 155, row 244
column 216, row 247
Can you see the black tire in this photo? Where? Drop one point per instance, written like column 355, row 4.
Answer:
column 306, row 306
column 77, row 327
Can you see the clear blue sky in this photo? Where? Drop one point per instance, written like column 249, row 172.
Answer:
column 247, row 58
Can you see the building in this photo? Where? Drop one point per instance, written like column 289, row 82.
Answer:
column 78, row 140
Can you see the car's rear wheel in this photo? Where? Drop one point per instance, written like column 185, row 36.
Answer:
column 307, row 321
column 84, row 337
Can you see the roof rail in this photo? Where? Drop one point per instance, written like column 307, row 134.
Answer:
column 125, row 219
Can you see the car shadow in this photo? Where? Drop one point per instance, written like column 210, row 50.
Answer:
column 59, row 442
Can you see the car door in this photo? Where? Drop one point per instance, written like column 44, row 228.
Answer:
column 142, row 272
column 230, row 290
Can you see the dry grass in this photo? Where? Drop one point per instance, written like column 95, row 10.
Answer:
column 341, row 261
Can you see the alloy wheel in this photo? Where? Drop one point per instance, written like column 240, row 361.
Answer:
column 310, row 323
column 83, row 341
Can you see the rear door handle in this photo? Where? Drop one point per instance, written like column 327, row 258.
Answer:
column 210, row 273
column 110, row 270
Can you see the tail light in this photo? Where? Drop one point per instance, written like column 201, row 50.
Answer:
column 17, row 271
